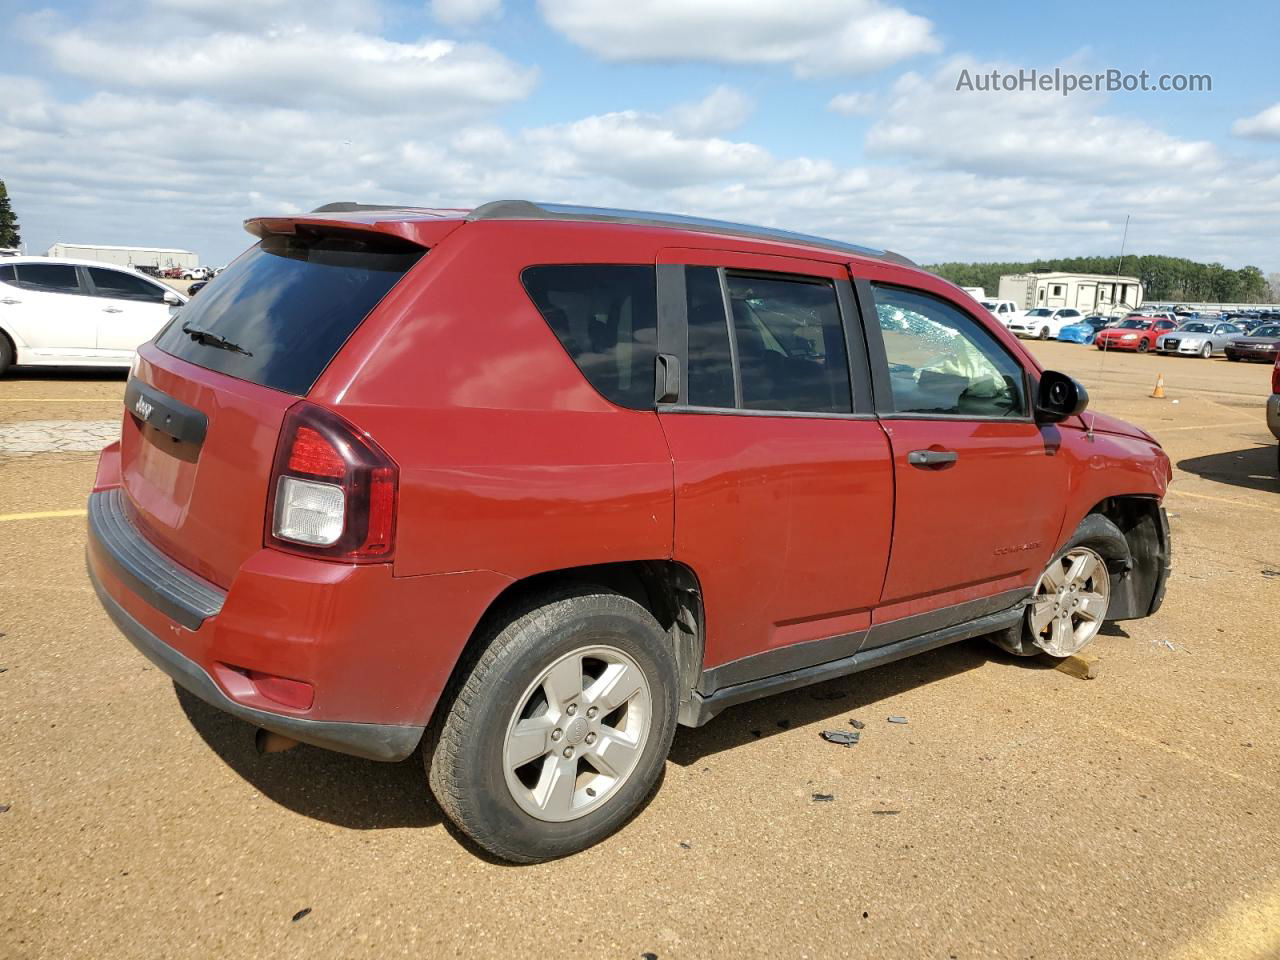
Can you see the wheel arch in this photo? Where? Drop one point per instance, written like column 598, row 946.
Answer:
column 669, row 590
column 1138, row 580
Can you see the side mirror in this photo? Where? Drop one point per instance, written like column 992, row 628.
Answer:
column 172, row 299
column 1058, row 397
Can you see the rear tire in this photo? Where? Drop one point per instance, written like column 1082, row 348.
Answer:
column 6, row 354
column 518, row 760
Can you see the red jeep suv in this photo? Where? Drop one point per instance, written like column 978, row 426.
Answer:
column 530, row 485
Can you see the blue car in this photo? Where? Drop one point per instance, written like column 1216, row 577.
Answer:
column 1084, row 331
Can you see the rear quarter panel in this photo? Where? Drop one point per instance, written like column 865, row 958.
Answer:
column 510, row 460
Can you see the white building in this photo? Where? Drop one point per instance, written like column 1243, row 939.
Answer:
column 158, row 257
column 1087, row 292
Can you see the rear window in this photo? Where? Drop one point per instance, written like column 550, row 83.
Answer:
column 606, row 317
column 285, row 308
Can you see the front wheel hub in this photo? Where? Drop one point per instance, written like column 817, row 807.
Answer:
column 1070, row 602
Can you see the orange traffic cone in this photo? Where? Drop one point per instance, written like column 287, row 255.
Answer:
column 1158, row 392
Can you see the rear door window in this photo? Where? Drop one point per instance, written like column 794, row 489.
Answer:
column 124, row 286
column 606, row 318
column 789, row 343
column 284, row 309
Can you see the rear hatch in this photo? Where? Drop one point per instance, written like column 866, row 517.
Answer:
column 206, row 400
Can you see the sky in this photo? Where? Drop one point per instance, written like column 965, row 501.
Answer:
column 169, row 122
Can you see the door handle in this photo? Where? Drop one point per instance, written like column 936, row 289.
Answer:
column 932, row 458
column 10, row 301
column 112, row 310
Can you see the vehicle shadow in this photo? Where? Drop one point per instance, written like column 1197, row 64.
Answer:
column 332, row 787
column 67, row 374
column 840, row 697
column 1253, row 467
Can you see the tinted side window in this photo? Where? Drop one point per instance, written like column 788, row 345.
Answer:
column 606, row 317
column 942, row 361
column 6, row 274
column 48, row 277
column 790, row 344
column 710, row 358
column 124, row 286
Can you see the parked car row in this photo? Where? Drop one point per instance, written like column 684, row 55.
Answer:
column 1160, row 331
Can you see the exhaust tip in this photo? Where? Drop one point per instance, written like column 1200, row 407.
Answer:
column 265, row 741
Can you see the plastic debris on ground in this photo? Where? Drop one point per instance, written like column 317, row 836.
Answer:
column 846, row 738
column 897, row 719
column 857, row 724
column 823, row 797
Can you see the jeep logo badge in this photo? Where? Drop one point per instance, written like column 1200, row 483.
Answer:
column 142, row 408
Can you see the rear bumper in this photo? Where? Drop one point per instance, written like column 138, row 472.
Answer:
column 374, row 741
column 377, row 650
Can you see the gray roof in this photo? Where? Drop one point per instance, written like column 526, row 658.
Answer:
column 527, row 210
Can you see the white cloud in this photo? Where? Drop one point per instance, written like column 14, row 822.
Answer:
column 721, row 110
column 293, row 65
column 1035, row 134
column 1261, row 126
column 852, row 104
column 462, row 12
column 987, row 177
column 817, row 37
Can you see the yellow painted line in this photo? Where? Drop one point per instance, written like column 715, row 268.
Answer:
column 46, row 514
column 1213, row 426
column 1234, row 503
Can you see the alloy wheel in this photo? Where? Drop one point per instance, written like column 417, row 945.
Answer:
column 577, row 733
column 1070, row 602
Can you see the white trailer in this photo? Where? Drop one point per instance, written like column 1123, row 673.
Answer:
column 1086, row 292
column 161, row 258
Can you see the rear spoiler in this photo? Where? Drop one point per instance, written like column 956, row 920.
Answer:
column 398, row 222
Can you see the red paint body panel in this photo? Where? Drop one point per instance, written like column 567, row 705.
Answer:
column 787, row 523
column 206, row 513
column 980, row 526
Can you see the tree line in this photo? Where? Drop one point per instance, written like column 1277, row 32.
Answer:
column 1163, row 278
column 9, row 234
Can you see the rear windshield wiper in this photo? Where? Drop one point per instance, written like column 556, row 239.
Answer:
column 211, row 339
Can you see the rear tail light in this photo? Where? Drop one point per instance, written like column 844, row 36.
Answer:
column 333, row 490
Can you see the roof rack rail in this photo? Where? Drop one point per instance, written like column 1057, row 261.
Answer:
column 527, row 210
column 349, row 206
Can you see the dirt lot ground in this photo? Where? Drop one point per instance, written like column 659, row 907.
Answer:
column 1021, row 813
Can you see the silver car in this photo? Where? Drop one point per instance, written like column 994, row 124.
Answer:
column 1198, row 338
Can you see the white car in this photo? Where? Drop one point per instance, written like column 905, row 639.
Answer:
column 1044, row 322
column 196, row 273
column 1006, row 311
column 77, row 313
